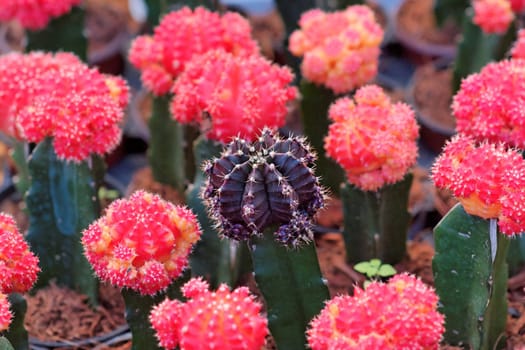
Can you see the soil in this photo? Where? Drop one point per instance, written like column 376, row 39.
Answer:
column 416, row 18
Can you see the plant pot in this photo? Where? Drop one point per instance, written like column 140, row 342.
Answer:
column 430, row 93
column 415, row 27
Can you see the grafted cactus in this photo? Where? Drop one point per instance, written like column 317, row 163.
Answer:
column 270, row 181
column 266, row 192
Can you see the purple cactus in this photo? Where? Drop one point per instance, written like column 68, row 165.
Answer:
column 267, row 182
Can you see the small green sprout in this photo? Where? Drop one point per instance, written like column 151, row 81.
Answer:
column 374, row 270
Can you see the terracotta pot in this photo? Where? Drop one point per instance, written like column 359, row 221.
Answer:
column 430, row 93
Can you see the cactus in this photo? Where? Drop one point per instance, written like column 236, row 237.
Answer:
column 471, row 288
column 314, row 109
column 61, row 201
column 166, row 153
column 4, row 344
column 211, row 255
column 376, row 223
column 138, row 307
column 450, row 9
column 64, row 33
column 265, row 192
column 17, row 335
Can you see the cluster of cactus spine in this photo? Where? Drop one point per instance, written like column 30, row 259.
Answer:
column 267, row 182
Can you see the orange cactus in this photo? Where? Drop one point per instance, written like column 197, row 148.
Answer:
column 18, row 266
column 340, row 49
column 210, row 320
column 163, row 56
column 34, row 14
column 141, row 243
column 487, row 179
column 372, row 139
column 232, row 96
column 400, row 314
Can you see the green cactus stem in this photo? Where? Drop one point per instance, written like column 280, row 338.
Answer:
column 64, row 33
column 488, row 47
column 4, row 344
column 376, row 223
column 454, row 10
column 138, row 308
column 292, row 286
column 211, row 255
column 19, row 155
column 62, row 202
column 166, row 147
column 17, row 334
column 314, row 108
column 471, row 288
column 158, row 7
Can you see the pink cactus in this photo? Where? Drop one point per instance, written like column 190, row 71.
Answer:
column 487, row 179
column 141, row 243
column 163, row 56
column 210, row 320
column 372, row 139
column 34, row 14
column 400, row 314
column 18, row 266
column 340, row 49
column 5, row 313
column 518, row 49
column 489, row 104
column 232, row 96
column 493, row 16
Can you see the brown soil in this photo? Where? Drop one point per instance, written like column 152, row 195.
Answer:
column 416, row 18
column 432, row 94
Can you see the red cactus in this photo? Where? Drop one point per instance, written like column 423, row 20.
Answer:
column 18, row 266
column 5, row 313
column 340, row 49
column 487, row 179
column 400, row 314
column 372, row 139
column 163, row 56
column 34, row 14
column 141, row 243
column 232, row 96
column 493, row 16
column 210, row 320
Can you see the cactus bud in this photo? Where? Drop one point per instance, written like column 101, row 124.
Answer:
column 34, row 15
column 261, row 183
column 5, row 314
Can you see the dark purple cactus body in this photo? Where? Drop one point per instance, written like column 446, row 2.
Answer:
column 267, row 182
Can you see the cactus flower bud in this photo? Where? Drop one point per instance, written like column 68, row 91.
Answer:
column 340, row 49
column 210, row 320
column 5, row 313
column 141, row 243
column 493, row 16
column 34, row 14
column 518, row 49
column 163, row 56
column 257, row 184
column 18, row 266
column 489, row 104
column 232, row 96
column 400, row 314
column 487, row 179
column 372, row 139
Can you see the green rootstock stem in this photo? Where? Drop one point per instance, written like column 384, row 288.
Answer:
column 166, row 148
column 138, row 308
column 62, row 202
column 292, row 286
column 314, row 109
column 471, row 289
column 376, row 223
column 211, row 255
column 4, row 344
column 158, row 7
column 17, row 334
column 64, row 33
column 19, row 156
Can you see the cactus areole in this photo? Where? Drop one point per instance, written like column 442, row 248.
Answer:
column 268, row 182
